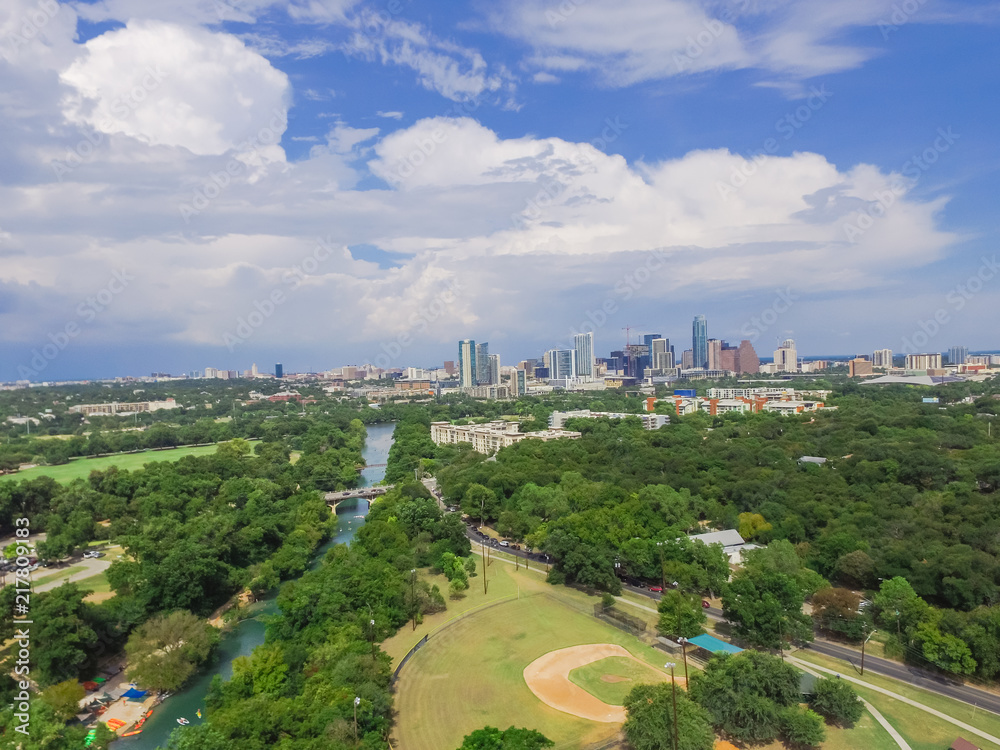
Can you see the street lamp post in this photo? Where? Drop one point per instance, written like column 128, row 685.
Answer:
column 663, row 575
column 673, row 689
column 863, row 644
column 371, row 625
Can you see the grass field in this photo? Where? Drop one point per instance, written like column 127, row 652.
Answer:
column 611, row 679
column 922, row 730
column 57, row 574
column 80, row 468
column 469, row 674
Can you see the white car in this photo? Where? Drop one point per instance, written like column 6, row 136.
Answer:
column 91, row 553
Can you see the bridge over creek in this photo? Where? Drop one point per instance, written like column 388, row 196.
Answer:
column 333, row 499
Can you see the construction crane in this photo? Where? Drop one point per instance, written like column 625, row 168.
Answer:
column 628, row 330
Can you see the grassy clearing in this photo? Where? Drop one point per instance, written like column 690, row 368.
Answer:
column 920, row 729
column 97, row 584
column 611, row 679
column 80, row 468
column 57, row 574
column 471, row 673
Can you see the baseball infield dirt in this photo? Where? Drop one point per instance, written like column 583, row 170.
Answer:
column 548, row 678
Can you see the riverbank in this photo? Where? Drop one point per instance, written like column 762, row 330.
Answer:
column 244, row 636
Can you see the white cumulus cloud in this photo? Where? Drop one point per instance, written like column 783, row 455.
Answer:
column 165, row 84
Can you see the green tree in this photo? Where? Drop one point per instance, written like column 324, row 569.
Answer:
column 681, row 615
column 63, row 645
column 802, row 727
column 897, row 606
column 64, row 698
column 837, row 701
column 165, row 651
column 512, row 738
column 766, row 609
column 744, row 694
column 650, row 720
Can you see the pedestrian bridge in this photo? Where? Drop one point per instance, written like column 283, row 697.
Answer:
column 333, row 499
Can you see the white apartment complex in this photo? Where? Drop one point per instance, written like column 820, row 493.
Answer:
column 106, row 410
column 491, row 437
column 649, row 420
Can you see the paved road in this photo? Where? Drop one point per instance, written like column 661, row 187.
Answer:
column 911, row 675
column 903, row 672
column 885, row 667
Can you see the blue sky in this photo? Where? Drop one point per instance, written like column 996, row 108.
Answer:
column 326, row 182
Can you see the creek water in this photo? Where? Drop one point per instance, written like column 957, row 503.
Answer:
column 248, row 634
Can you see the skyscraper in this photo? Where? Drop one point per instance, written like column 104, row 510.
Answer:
column 466, row 363
column 562, row 364
column 957, row 355
column 583, row 344
column 882, row 358
column 657, row 348
column 493, row 368
column 483, row 364
column 518, row 382
column 786, row 357
column 699, row 342
column 714, row 348
column 279, row 371
column 747, row 360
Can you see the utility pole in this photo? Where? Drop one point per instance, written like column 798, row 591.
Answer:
column 673, row 690
column 863, row 644
column 357, row 700
column 684, row 653
column 413, row 595
column 781, row 640
column 483, row 543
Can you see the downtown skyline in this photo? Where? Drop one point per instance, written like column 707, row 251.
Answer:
column 316, row 182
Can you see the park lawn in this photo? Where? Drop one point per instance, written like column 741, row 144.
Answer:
column 97, row 584
column 56, row 574
column 500, row 585
column 624, row 675
column 897, row 712
column 867, row 734
column 80, row 468
column 470, row 673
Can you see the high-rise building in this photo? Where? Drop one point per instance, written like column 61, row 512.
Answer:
column 729, row 358
column 882, row 358
column 786, row 358
column 483, row 364
column 518, row 382
column 923, row 361
column 958, row 355
column 858, row 366
column 699, row 342
column 493, row 368
column 562, row 364
column 687, row 359
column 467, row 363
column 253, row 370
column 583, row 343
column 657, row 350
column 747, row 361
column 714, row 348
column 279, row 371
column 449, row 367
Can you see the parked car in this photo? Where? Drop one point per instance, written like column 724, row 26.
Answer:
column 705, row 604
column 504, row 543
column 91, row 553
column 658, row 589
